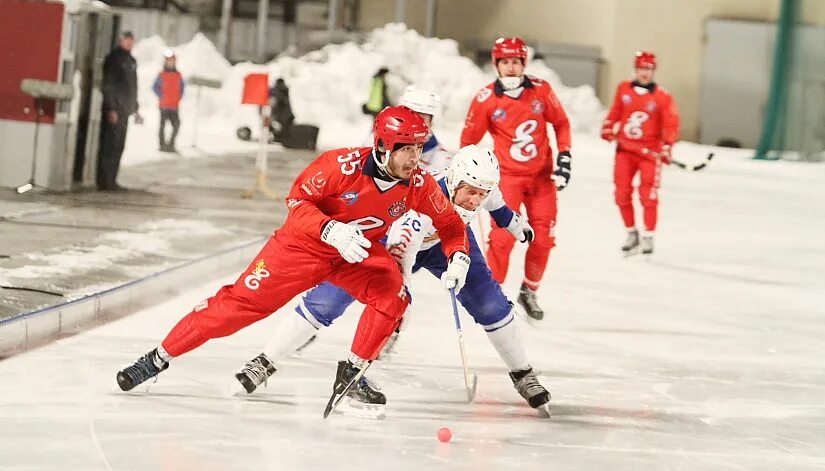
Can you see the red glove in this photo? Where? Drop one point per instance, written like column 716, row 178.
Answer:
column 607, row 132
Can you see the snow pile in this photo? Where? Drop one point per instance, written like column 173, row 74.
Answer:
column 328, row 87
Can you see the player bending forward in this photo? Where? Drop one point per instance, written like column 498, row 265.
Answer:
column 339, row 207
column 471, row 182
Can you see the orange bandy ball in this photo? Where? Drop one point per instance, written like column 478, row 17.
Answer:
column 444, row 434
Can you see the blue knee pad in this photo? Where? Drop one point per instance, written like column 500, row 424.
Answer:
column 323, row 304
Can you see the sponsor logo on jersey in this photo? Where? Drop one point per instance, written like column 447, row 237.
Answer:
column 350, row 197
column 499, row 115
column 397, row 209
column 292, row 202
column 202, row 305
column 537, row 107
column 318, row 180
column 626, row 98
column 651, row 106
column 253, row 280
column 483, row 95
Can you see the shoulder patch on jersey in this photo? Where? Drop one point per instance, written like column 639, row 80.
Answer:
column 484, row 94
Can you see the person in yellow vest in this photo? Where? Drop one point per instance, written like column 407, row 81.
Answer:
column 378, row 93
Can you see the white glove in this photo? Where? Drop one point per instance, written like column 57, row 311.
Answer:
column 521, row 229
column 349, row 241
column 456, row 273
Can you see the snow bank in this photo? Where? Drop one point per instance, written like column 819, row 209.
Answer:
column 328, row 87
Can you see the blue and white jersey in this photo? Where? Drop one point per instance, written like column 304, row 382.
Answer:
column 414, row 232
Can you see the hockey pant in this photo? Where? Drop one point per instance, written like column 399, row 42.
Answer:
column 650, row 173
column 282, row 270
column 538, row 194
column 481, row 296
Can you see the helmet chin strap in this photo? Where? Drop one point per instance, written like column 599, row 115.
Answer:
column 383, row 164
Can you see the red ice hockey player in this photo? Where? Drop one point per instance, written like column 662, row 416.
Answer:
column 516, row 109
column 644, row 123
column 339, row 208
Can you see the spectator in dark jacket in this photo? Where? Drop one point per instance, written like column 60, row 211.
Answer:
column 169, row 89
column 119, row 102
column 281, row 109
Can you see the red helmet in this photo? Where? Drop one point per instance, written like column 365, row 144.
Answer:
column 399, row 125
column 645, row 60
column 510, row 47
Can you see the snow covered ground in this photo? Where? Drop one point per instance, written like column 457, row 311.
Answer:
column 708, row 356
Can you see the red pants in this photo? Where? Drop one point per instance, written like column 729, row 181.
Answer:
column 538, row 193
column 281, row 271
column 650, row 169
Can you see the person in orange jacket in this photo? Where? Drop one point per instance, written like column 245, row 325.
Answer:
column 644, row 122
column 169, row 88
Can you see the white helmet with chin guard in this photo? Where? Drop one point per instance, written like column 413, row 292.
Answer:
column 421, row 100
column 476, row 166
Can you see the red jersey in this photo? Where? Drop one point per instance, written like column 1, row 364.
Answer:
column 518, row 125
column 341, row 184
column 647, row 119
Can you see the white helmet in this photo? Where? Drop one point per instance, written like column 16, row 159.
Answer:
column 421, row 100
column 476, row 166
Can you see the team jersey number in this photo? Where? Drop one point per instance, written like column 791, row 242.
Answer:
column 633, row 126
column 348, row 167
column 524, row 147
column 366, row 223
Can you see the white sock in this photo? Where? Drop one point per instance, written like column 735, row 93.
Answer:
column 631, row 229
column 508, row 345
column 648, row 234
column 163, row 354
column 357, row 361
column 292, row 332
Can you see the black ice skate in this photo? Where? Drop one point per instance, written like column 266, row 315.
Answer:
column 631, row 245
column 527, row 384
column 527, row 300
column 362, row 399
column 146, row 367
column 647, row 245
column 255, row 372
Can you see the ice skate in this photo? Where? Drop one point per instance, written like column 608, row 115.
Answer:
column 528, row 302
column 647, row 244
column 631, row 245
column 146, row 367
column 527, row 384
column 363, row 399
column 255, row 373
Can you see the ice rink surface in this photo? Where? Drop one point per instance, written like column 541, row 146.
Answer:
column 707, row 356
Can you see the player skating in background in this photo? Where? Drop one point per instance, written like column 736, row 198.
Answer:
column 644, row 122
column 516, row 109
column 471, row 183
column 340, row 206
